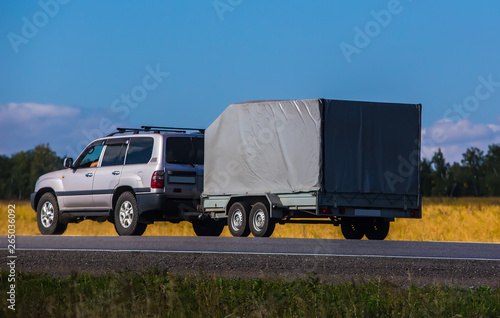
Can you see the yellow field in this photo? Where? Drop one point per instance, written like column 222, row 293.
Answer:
column 458, row 220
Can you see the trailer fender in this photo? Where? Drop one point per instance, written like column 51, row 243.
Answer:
column 272, row 202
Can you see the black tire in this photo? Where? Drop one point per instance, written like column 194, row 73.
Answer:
column 209, row 227
column 377, row 230
column 237, row 219
column 127, row 216
column 47, row 216
column 260, row 222
column 352, row 230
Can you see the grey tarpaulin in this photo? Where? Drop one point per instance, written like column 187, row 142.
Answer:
column 307, row 145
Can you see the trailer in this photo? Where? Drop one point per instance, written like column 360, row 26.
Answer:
column 348, row 163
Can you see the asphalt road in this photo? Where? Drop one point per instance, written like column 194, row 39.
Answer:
column 401, row 262
column 266, row 246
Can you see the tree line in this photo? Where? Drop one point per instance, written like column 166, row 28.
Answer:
column 19, row 172
column 477, row 174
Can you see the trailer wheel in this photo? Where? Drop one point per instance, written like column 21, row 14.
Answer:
column 377, row 230
column 208, row 227
column 260, row 221
column 237, row 219
column 352, row 230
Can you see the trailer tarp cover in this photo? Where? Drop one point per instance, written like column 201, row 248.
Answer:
column 308, row 145
column 371, row 147
column 265, row 146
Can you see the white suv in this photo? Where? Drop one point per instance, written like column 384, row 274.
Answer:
column 131, row 178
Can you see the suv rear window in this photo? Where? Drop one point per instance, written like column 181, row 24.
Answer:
column 185, row 150
column 140, row 150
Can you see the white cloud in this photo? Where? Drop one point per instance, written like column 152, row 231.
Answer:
column 445, row 131
column 494, row 128
column 25, row 112
column 455, row 137
column 67, row 129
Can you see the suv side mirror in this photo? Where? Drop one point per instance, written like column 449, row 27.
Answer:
column 68, row 163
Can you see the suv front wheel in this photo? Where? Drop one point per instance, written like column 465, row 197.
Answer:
column 127, row 216
column 47, row 216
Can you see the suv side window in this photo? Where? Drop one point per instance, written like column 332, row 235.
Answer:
column 90, row 157
column 114, row 155
column 139, row 150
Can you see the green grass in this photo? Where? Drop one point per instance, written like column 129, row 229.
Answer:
column 160, row 294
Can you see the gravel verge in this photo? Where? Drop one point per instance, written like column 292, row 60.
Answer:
column 400, row 271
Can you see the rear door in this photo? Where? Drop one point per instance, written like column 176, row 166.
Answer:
column 181, row 168
column 107, row 175
column 137, row 171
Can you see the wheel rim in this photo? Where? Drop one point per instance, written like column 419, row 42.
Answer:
column 259, row 220
column 47, row 214
column 126, row 214
column 237, row 220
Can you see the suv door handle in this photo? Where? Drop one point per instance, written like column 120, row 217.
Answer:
column 89, row 174
column 115, row 173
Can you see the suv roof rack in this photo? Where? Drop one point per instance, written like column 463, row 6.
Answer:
column 171, row 129
column 155, row 129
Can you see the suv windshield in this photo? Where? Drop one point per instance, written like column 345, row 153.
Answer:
column 185, row 150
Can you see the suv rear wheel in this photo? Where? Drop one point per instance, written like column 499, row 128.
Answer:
column 127, row 216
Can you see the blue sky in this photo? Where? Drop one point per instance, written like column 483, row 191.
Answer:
column 73, row 69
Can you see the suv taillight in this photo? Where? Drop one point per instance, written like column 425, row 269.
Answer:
column 158, row 179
